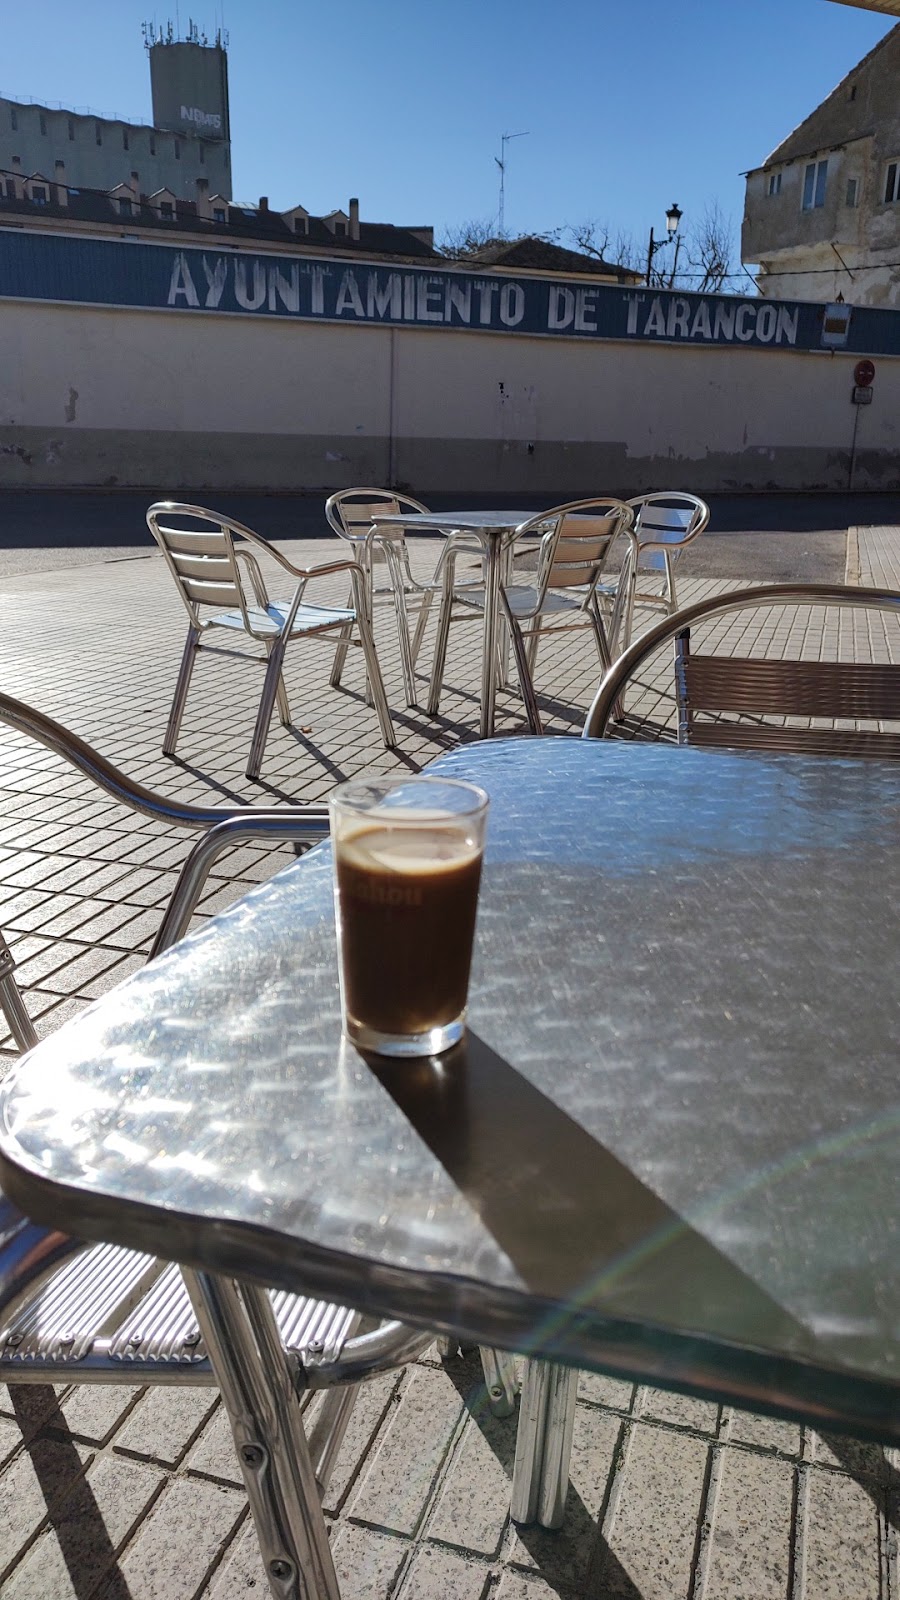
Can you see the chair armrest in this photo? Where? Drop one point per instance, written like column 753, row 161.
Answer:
column 256, row 578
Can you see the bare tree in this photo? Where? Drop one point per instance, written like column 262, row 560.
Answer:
column 597, row 239
column 709, row 248
column 465, row 238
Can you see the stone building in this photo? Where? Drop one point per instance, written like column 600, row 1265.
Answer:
column 822, row 213
column 189, row 139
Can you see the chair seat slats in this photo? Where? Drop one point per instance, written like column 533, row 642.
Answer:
column 87, row 1296
column 858, row 690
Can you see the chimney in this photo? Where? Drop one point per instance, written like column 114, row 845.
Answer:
column 18, row 186
column 203, row 209
column 354, row 219
column 62, row 192
column 263, row 202
column 135, row 184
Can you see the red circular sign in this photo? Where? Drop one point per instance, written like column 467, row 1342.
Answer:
column 863, row 373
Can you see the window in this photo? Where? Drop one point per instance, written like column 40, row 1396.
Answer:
column 774, row 183
column 124, row 138
column 71, row 129
column 852, row 93
column 177, row 150
column 126, row 207
column 14, row 121
column 892, row 182
column 152, row 145
column 43, row 123
column 852, row 198
column 167, row 210
column 340, row 230
column 301, row 225
column 98, row 133
column 814, row 180
column 39, row 194
column 219, row 214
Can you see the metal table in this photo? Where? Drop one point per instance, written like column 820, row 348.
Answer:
column 492, row 529
column 669, row 1149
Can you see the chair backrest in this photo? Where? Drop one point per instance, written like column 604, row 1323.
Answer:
column 198, row 545
column 575, row 541
column 351, row 512
column 666, row 519
column 723, row 687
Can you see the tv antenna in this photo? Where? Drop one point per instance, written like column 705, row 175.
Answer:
column 501, row 162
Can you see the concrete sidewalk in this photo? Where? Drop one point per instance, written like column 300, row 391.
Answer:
column 107, row 1493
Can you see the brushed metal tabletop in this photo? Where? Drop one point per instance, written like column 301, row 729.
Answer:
column 669, row 1148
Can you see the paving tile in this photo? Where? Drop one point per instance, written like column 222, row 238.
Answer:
column 367, row 1562
column 651, row 1530
column 175, row 1548
column 165, row 1422
column 72, row 1555
column 521, row 1586
column 766, row 1433
column 31, row 1486
column 613, row 1392
column 213, row 1453
column 472, row 1510
column 395, row 1489
column 750, row 1543
column 93, row 1411
column 679, row 1409
column 374, row 1404
column 438, row 1574
column 840, row 1552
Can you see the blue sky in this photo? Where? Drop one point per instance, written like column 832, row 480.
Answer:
column 402, row 102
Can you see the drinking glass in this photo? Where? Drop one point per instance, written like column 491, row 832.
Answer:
column 407, row 866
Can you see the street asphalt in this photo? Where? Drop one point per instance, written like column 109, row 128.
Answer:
column 772, row 537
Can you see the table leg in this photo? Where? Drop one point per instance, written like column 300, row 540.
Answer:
column 491, row 621
column 241, row 1336
column 544, row 1443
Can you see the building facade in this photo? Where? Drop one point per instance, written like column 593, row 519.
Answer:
column 822, row 213
column 189, row 139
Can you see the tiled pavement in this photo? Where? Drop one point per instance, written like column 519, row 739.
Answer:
column 110, row 1493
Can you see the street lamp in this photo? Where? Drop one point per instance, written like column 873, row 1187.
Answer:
column 673, row 217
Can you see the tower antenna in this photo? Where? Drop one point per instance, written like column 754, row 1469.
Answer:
column 501, row 162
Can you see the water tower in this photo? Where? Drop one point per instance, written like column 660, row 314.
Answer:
column 189, row 82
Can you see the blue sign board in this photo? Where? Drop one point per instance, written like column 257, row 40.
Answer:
column 114, row 272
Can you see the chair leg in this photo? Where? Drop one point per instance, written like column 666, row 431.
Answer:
column 241, row 1335
column 534, row 639
column 671, row 596
column 284, row 707
column 191, row 646
column 406, row 656
column 544, row 1444
column 525, row 683
column 440, row 652
column 421, row 623
column 376, row 684
column 340, row 654
column 500, row 1380
column 266, row 706
column 11, row 1003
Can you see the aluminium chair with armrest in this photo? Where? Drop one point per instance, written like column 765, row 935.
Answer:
column 351, row 514
column 664, row 523
column 203, row 558
column 77, row 1313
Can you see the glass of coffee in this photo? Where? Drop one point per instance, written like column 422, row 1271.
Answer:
column 407, row 865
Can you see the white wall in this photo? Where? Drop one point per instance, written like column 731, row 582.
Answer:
column 190, row 400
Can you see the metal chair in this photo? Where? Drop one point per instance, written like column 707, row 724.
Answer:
column 199, row 547
column 72, row 1312
column 663, row 524
column 713, row 691
column 350, row 514
column 570, row 544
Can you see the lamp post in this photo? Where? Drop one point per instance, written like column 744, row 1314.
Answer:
column 673, row 217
